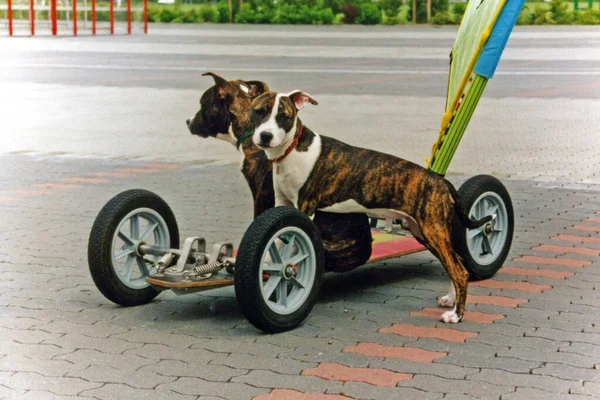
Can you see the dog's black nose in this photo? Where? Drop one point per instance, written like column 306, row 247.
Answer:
column 266, row 137
column 187, row 122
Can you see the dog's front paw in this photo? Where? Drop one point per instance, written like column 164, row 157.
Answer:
column 450, row 317
column 446, row 301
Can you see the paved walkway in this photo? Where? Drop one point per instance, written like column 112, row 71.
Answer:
column 531, row 332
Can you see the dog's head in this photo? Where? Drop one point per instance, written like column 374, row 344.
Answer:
column 222, row 104
column 274, row 117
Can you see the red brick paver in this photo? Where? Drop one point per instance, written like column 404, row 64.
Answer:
column 544, row 273
column 373, row 376
column 77, row 179
column 66, row 186
column 288, row 394
column 139, row 170
column 584, row 228
column 508, row 285
column 591, row 219
column 447, row 334
column 29, row 192
column 162, row 166
column 406, row 353
column 113, row 174
column 472, row 316
column 500, row 301
column 563, row 262
column 565, row 249
column 576, row 238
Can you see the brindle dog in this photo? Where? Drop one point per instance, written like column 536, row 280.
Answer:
column 315, row 172
column 224, row 114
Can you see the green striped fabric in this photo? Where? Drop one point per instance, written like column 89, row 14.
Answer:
column 458, row 124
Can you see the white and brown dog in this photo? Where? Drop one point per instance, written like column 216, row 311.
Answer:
column 313, row 172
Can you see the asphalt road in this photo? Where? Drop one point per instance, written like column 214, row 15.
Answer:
column 84, row 119
column 381, row 87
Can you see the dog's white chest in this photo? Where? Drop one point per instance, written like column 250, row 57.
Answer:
column 294, row 170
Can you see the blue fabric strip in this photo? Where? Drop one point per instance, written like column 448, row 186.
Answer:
column 490, row 55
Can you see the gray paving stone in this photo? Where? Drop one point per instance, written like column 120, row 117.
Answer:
column 574, row 359
column 281, row 365
column 95, row 330
column 489, row 361
column 568, row 372
column 311, row 356
column 560, row 335
column 76, row 341
column 173, row 368
column 37, row 351
column 268, row 379
column 137, row 379
column 44, row 395
column 6, row 392
column 123, row 362
column 588, row 389
column 19, row 363
column 537, row 394
column 442, row 370
column 510, row 341
column 57, row 385
column 199, row 387
column 360, row 390
column 499, row 377
column 112, row 391
column 464, row 387
column 585, row 349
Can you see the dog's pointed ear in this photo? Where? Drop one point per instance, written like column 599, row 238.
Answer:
column 256, row 88
column 301, row 99
column 218, row 80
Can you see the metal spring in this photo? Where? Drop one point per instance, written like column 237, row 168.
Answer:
column 213, row 266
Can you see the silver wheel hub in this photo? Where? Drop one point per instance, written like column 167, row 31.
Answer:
column 288, row 270
column 485, row 244
column 140, row 226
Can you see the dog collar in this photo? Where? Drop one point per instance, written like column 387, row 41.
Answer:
column 244, row 136
column 288, row 150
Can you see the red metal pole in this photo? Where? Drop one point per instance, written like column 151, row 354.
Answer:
column 74, row 17
column 93, row 17
column 145, row 16
column 112, row 16
column 129, row 17
column 10, row 26
column 53, row 16
column 32, row 17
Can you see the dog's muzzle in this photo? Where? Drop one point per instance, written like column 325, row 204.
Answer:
column 265, row 139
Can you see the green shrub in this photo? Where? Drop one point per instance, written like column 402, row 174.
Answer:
column 524, row 17
column 188, row 16
column 442, row 18
column 390, row 20
column 286, row 14
column 168, row 14
column 246, row 15
column 351, row 13
column 208, row 13
column 458, row 9
column 390, row 7
column 560, row 13
column 541, row 16
column 436, row 6
column 323, row 16
column 338, row 19
column 587, row 17
column 223, row 11
column 370, row 14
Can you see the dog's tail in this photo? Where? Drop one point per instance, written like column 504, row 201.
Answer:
column 459, row 208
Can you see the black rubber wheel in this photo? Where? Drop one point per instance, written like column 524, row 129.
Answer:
column 126, row 219
column 484, row 250
column 278, row 269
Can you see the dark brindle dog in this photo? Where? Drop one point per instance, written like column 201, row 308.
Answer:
column 224, row 114
column 313, row 172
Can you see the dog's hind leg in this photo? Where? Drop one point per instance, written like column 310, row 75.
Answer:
column 449, row 299
column 439, row 241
